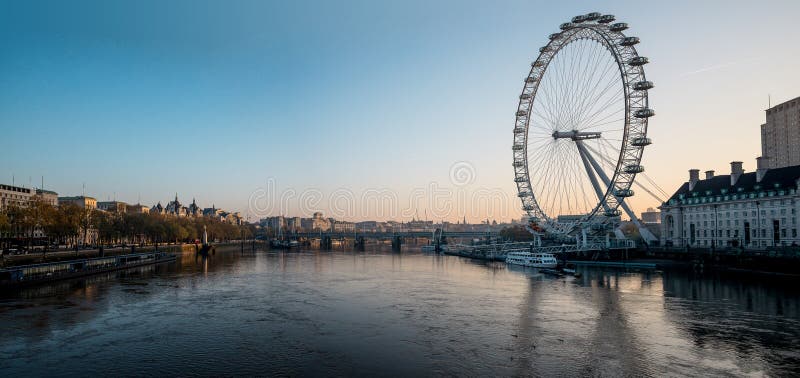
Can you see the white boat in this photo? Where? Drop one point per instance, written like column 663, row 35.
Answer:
column 532, row 259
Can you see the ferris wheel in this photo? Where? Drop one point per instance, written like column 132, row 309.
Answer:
column 581, row 126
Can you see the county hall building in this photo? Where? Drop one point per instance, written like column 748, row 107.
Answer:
column 753, row 210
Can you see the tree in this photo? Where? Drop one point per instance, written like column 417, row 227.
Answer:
column 39, row 216
column 516, row 233
column 66, row 222
column 86, row 220
column 104, row 224
column 5, row 225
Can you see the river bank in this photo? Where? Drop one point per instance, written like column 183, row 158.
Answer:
column 9, row 261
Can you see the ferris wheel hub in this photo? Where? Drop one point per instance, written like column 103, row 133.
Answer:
column 576, row 135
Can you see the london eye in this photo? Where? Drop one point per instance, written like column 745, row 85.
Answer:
column 581, row 127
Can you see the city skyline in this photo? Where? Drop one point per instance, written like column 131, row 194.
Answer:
column 149, row 99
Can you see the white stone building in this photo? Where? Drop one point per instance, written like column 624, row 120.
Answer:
column 754, row 210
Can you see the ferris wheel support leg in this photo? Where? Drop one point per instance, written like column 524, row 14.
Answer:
column 585, row 155
column 583, row 234
column 586, row 158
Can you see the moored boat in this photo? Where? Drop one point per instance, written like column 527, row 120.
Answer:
column 532, row 259
column 40, row 273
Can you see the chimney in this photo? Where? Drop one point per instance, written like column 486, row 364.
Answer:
column 694, row 176
column 761, row 168
column 736, row 171
column 709, row 174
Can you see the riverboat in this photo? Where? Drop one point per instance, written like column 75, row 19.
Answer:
column 532, row 259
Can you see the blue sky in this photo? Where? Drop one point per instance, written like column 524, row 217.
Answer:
column 212, row 99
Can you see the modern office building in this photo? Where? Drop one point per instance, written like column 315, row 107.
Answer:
column 14, row 196
column 780, row 135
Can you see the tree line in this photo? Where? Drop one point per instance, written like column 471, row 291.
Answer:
column 71, row 224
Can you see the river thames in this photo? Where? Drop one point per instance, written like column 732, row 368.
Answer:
column 378, row 313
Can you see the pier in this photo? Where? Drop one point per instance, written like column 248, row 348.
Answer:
column 24, row 275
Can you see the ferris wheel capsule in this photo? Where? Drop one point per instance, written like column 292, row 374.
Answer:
column 618, row 27
column 606, row 19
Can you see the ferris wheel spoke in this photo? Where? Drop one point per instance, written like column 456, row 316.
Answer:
column 549, row 108
column 605, row 107
column 604, row 121
column 605, row 158
column 574, row 83
column 602, row 103
column 590, row 97
column 549, row 175
column 547, row 120
column 597, row 98
column 586, row 81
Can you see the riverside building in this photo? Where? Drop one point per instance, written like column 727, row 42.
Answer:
column 780, row 135
column 83, row 202
column 754, row 210
column 14, row 196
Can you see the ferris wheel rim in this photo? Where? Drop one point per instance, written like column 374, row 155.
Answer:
column 636, row 101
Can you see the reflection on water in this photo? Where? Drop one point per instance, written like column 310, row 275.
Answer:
column 376, row 313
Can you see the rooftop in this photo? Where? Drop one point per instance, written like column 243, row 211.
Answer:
column 778, row 178
column 793, row 102
column 76, row 198
column 43, row 191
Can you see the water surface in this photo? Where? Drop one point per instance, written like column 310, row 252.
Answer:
column 380, row 313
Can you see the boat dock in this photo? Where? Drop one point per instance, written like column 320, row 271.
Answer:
column 616, row 264
column 24, row 275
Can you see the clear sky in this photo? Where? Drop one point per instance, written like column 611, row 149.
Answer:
column 214, row 100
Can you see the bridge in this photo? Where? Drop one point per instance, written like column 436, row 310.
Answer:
column 437, row 237
column 394, row 234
